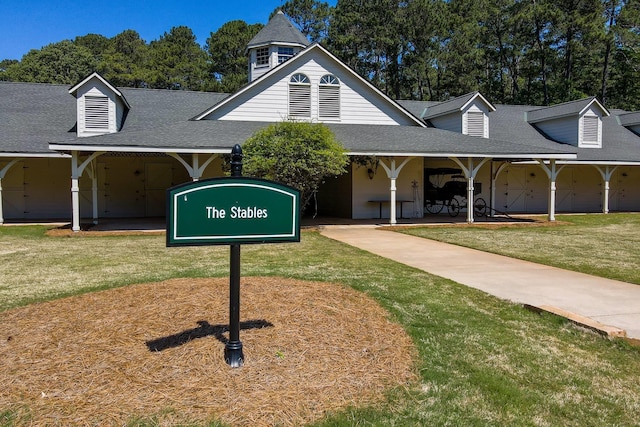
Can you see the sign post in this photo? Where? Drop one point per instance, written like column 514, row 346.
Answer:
column 232, row 211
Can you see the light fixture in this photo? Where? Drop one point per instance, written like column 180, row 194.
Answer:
column 371, row 173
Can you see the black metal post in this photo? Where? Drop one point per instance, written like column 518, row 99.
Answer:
column 233, row 350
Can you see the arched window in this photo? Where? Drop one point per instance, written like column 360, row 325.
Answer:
column 329, row 97
column 299, row 96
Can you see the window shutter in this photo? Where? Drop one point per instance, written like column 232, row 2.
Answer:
column 329, row 97
column 475, row 123
column 96, row 112
column 329, row 102
column 299, row 96
column 590, row 129
column 300, row 100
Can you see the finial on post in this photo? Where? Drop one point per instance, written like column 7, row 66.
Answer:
column 236, row 160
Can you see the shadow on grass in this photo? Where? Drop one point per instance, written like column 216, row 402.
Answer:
column 204, row 330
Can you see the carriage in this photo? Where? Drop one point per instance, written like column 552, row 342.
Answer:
column 447, row 187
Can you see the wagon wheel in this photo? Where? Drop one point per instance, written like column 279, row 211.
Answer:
column 480, row 207
column 433, row 207
column 453, row 207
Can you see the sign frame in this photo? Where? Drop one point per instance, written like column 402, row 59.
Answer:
column 231, row 196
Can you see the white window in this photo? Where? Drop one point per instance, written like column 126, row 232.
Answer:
column 329, row 97
column 299, row 96
column 284, row 53
column 590, row 127
column 475, row 123
column 96, row 112
column 262, row 57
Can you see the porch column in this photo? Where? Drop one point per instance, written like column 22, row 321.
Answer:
column 552, row 174
column 76, row 173
column 75, row 189
column 3, row 172
column 392, row 174
column 470, row 171
column 93, row 174
column 195, row 170
column 494, row 178
column 606, row 178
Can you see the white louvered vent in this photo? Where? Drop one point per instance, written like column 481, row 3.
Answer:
column 329, row 97
column 96, row 112
column 475, row 123
column 299, row 96
column 590, row 130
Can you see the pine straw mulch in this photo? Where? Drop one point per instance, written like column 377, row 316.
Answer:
column 155, row 351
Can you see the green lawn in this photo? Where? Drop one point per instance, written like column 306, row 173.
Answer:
column 602, row 245
column 482, row 361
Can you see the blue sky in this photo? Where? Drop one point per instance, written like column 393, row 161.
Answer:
column 32, row 24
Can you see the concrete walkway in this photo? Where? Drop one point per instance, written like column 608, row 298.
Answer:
column 609, row 302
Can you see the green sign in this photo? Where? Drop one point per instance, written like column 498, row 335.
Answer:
column 222, row 211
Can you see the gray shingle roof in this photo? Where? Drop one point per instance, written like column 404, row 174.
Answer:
column 561, row 110
column 278, row 30
column 33, row 114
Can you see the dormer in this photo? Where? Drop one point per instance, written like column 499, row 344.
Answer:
column 577, row 123
column 100, row 107
column 275, row 43
column 467, row 114
column 631, row 121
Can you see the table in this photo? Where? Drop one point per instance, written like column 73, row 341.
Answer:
column 381, row 201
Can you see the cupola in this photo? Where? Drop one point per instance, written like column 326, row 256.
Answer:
column 278, row 41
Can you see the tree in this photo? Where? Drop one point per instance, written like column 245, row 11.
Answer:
column 298, row 154
column 310, row 16
column 125, row 60
column 177, row 61
column 62, row 62
column 227, row 49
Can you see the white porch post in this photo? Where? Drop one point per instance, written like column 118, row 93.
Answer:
column 75, row 189
column 606, row 178
column 494, row 178
column 392, row 173
column 3, row 172
column 76, row 173
column 552, row 174
column 93, row 174
column 552, row 191
column 392, row 208
column 195, row 171
column 470, row 171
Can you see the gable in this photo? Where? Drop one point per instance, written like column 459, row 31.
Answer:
column 267, row 99
column 100, row 108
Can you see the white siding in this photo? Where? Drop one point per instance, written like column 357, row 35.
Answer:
column 365, row 189
column 451, row 122
column 268, row 101
column 562, row 130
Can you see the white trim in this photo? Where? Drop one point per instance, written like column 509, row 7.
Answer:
column 447, row 155
column 36, row 155
column 75, row 88
column 121, row 149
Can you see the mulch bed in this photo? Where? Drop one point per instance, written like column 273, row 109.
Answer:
column 155, row 351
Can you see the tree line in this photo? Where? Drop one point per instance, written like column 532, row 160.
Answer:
column 536, row 52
